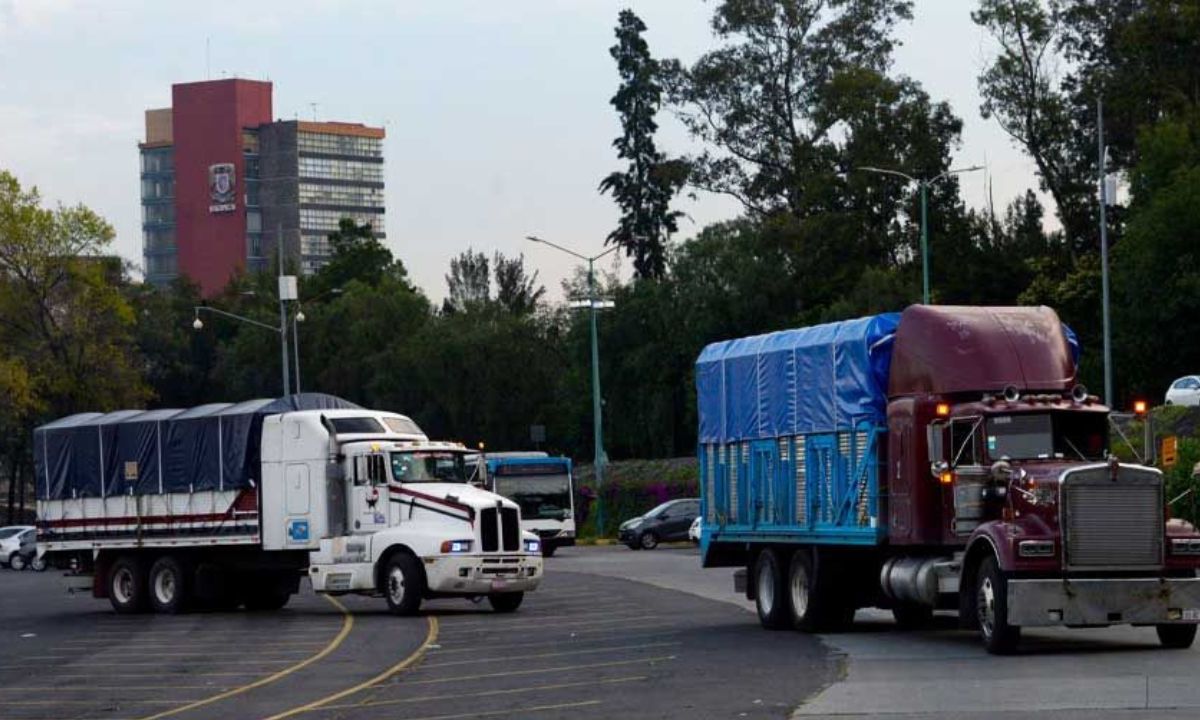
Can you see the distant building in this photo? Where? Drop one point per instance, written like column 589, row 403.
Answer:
column 221, row 181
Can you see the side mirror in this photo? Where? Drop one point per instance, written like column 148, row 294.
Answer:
column 935, row 435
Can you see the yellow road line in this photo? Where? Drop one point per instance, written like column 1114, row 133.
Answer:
column 347, row 624
column 535, row 671
column 514, row 711
column 587, row 651
column 486, row 693
column 430, row 639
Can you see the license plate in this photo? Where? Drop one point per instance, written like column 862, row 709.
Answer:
column 1192, row 614
column 499, row 584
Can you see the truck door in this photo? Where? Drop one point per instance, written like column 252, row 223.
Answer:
column 367, row 506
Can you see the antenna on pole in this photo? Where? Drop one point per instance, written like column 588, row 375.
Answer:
column 314, row 106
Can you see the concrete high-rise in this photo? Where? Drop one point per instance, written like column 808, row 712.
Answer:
column 222, row 181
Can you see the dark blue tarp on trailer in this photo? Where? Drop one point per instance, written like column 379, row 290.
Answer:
column 135, row 452
column 809, row 380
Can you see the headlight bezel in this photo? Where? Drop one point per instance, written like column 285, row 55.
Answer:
column 533, row 545
column 457, row 547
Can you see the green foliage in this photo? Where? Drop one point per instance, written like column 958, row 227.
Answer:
column 645, row 189
column 632, row 488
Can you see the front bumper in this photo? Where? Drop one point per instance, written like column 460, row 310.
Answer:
column 628, row 535
column 483, row 574
column 1107, row 601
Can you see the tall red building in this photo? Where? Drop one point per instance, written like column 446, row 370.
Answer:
column 222, row 182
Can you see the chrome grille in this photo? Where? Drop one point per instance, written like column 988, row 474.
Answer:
column 1113, row 523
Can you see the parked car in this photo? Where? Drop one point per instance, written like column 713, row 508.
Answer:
column 1184, row 391
column 694, row 531
column 668, row 522
column 18, row 545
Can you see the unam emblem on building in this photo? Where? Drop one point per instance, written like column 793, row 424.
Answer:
column 221, row 187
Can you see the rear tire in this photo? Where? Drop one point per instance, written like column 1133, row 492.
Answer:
column 169, row 586
column 1176, row 637
column 267, row 595
column 38, row 563
column 770, row 591
column 991, row 609
column 548, row 549
column 403, row 584
column 127, row 590
column 16, row 562
column 506, row 602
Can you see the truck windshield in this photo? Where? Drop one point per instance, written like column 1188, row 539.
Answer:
column 1064, row 435
column 542, row 497
column 428, row 466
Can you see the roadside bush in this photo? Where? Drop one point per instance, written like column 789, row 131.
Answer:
column 631, row 487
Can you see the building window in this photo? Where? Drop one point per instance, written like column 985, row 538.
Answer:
column 158, row 239
column 330, row 144
column 158, row 188
column 315, row 245
column 158, row 214
column 158, row 160
column 250, row 142
column 324, row 194
column 324, row 168
column 254, row 245
column 328, row 220
column 162, row 265
column 253, row 221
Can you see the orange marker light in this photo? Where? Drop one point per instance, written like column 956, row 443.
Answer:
column 946, row 477
column 943, row 409
column 1139, row 407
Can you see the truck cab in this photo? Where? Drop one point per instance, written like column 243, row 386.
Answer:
column 403, row 516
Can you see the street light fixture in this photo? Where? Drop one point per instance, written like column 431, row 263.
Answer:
column 594, row 303
column 924, row 184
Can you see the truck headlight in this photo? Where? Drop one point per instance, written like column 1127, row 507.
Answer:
column 1036, row 548
column 533, row 546
column 456, row 546
column 1185, row 546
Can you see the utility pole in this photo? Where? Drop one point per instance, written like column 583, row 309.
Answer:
column 923, row 184
column 283, row 293
column 1108, row 380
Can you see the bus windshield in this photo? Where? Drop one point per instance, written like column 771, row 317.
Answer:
column 429, row 466
column 541, row 497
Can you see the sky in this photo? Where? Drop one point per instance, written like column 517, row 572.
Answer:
column 497, row 113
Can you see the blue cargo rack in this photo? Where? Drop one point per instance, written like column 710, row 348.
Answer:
column 792, row 426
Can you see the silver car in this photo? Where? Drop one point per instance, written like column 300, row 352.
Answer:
column 18, row 548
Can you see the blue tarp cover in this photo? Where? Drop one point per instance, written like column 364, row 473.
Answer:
column 809, row 380
column 136, row 452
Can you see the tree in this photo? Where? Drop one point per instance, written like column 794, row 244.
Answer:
column 516, row 291
column 774, row 101
column 469, row 283
column 645, row 189
column 357, row 255
column 65, row 329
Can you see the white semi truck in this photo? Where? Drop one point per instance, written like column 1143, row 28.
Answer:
column 230, row 504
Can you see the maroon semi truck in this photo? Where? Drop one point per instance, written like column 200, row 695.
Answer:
column 942, row 458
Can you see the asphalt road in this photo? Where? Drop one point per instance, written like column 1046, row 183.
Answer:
column 612, row 633
column 943, row 672
column 583, row 646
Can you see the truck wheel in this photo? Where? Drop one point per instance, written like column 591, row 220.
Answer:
column 648, row 540
column 169, row 586
column 770, row 591
column 16, row 561
column 991, row 609
column 127, row 589
column 508, row 602
column 912, row 617
column 38, row 564
column 1176, row 637
column 548, row 549
column 403, row 584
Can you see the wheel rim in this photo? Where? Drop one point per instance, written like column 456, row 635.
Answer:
column 39, row 564
column 122, row 586
column 165, row 587
column 986, row 602
column 396, row 585
column 649, row 541
column 799, row 588
column 17, row 562
column 766, row 588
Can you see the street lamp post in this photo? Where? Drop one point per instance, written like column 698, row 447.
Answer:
column 923, row 184
column 198, row 324
column 595, row 303
column 296, row 320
